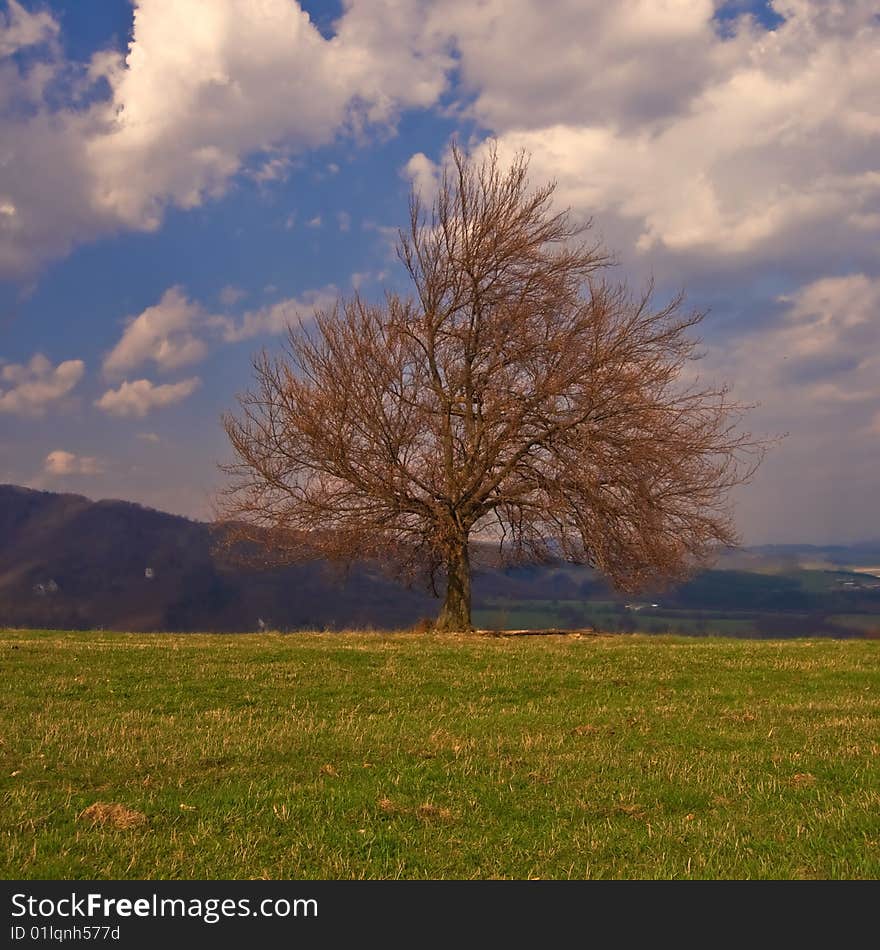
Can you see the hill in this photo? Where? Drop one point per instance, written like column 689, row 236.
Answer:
column 67, row 562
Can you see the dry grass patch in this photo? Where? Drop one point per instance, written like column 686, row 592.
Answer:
column 585, row 730
column 426, row 811
column 429, row 810
column 113, row 814
column 803, row 780
column 388, row 806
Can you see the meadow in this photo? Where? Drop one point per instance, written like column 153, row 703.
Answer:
column 411, row 755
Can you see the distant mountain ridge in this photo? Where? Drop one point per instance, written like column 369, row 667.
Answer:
column 69, row 562
column 841, row 554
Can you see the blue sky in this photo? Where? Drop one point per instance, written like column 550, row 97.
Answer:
column 177, row 180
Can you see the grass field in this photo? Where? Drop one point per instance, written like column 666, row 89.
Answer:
column 416, row 756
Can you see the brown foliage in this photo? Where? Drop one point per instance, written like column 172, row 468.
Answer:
column 518, row 395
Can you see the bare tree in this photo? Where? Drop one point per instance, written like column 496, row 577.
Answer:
column 519, row 395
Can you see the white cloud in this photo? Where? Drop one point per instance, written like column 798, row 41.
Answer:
column 60, row 462
column 361, row 278
column 230, row 295
column 826, row 350
column 29, row 389
column 388, row 236
column 45, row 189
column 177, row 331
column 141, row 396
column 273, row 169
column 682, row 141
column 162, row 334
column 816, row 376
column 744, row 163
column 277, row 317
column 19, row 28
column 424, row 176
column 343, row 219
column 721, row 150
column 201, row 89
column 531, row 66
column 836, row 318
column 151, row 437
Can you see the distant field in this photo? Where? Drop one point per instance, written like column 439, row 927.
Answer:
column 793, row 602
column 873, row 570
column 606, row 616
column 403, row 755
column 865, row 623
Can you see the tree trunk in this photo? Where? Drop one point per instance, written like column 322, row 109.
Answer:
column 455, row 616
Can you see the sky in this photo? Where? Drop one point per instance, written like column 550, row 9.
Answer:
column 179, row 179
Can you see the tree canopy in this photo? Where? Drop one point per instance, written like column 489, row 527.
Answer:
column 520, row 395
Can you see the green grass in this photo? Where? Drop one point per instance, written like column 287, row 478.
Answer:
column 414, row 756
